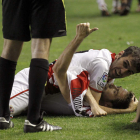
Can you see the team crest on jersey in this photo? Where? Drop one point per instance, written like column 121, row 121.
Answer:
column 103, row 80
column 11, row 110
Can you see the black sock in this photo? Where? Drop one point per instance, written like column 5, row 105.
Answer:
column 37, row 79
column 7, row 73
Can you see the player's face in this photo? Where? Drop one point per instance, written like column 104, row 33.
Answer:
column 122, row 67
column 112, row 92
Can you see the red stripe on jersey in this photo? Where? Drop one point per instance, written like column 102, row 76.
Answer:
column 19, row 93
column 113, row 56
column 79, row 84
column 50, row 88
column 95, row 89
column 50, row 72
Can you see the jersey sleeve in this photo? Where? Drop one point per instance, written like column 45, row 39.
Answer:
column 98, row 74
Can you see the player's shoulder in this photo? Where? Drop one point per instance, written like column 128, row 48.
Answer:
column 105, row 56
column 105, row 52
column 101, row 53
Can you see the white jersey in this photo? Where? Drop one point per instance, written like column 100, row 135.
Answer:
column 91, row 67
column 96, row 63
column 87, row 69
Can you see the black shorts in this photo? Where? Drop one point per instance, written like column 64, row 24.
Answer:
column 23, row 19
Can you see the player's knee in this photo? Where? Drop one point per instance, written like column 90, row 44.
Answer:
column 40, row 48
column 11, row 49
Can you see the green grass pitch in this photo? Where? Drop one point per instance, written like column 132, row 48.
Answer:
column 114, row 33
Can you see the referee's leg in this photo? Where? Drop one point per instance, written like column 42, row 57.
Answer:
column 37, row 76
column 8, row 62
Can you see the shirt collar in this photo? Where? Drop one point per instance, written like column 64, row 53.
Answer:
column 113, row 56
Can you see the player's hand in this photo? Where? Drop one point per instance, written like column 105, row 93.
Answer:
column 97, row 111
column 83, row 30
column 133, row 104
column 137, row 118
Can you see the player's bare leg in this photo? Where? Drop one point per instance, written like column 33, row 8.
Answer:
column 40, row 48
column 116, row 6
column 137, row 118
column 11, row 49
column 62, row 64
column 8, row 61
column 103, row 7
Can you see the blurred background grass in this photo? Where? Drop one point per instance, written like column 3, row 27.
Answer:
column 113, row 34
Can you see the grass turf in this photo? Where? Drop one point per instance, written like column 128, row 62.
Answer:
column 114, row 33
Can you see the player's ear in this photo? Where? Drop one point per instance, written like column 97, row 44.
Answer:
column 120, row 53
column 108, row 104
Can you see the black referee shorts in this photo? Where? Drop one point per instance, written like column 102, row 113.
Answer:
column 26, row 19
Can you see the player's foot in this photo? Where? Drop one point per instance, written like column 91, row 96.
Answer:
column 116, row 11
column 4, row 124
column 42, row 126
column 105, row 13
column 124, row 9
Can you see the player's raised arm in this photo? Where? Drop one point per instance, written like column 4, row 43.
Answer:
column 82, row 31
column 63, row 62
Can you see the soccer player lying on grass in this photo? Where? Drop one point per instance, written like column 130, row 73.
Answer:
column 112, row 97
column 83, row 75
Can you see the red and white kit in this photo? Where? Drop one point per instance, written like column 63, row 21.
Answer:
column 87, row 69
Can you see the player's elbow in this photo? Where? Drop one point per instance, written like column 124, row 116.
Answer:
column 58, row 71
column 55, row 69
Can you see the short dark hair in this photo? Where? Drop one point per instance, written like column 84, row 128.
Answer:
column 134, row 51
column 122, row 104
